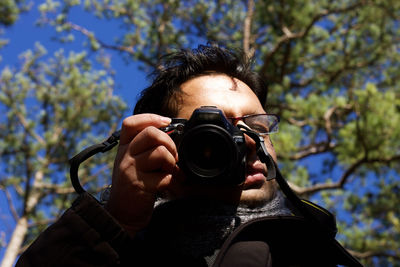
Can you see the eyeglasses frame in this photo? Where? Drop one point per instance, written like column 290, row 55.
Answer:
column 236, row 119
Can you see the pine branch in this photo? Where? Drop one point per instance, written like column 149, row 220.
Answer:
column 320, row 147
column 42, row 222
column 289, row 35
column 312, row 149
column 344, row 178
column 121, row 48
column 61, row 190
column 11, row 205
column 54, row 188
column 372, row 253
column 28, row 129
column 247, row 29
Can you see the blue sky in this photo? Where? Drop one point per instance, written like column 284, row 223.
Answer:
column 24, row 34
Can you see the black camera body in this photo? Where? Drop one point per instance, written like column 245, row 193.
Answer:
column 211, row 150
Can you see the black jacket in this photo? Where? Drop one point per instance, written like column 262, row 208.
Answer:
column 86, row 235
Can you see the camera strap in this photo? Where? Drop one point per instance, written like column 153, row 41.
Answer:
column 87, row 153
column 320, row 217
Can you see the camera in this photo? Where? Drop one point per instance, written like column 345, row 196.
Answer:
column 211, row 150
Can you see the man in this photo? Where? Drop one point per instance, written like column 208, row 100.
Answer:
column 192, row 224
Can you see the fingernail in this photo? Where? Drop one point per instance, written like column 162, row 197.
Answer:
column 165, row 120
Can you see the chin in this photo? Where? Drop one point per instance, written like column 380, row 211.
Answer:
column 256, row 197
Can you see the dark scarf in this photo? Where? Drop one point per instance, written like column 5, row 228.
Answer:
column 198, row 227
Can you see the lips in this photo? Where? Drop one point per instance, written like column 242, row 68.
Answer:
column 255, row 175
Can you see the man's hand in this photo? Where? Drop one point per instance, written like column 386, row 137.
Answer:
column 144, row 165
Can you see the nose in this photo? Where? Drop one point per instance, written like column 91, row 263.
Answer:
column 251, row 148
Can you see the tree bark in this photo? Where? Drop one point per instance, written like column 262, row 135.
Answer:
column 15, row 243
column 21, row 228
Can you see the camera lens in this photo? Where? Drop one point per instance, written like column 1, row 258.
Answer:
column 209, row 155
column 207, row 151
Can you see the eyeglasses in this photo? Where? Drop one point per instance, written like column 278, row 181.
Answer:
column 262, row 124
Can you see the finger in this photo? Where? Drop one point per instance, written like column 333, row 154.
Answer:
column 157, row 159
column 173, row 184
column 166, row 183
column 132, row 125
column 152, row 181
column 152, row 137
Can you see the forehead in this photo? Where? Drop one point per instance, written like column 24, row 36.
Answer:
column 231, row 95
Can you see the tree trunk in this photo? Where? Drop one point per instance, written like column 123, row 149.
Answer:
column 21, row 229
column 15, row 243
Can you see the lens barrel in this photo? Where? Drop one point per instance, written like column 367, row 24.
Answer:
column 208, row 152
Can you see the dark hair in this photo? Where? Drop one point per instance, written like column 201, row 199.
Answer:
column 164, row 96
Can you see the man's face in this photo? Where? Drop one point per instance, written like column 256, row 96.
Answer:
column 235, row 99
